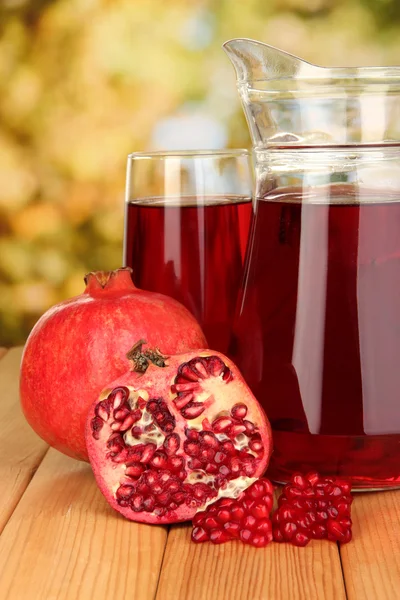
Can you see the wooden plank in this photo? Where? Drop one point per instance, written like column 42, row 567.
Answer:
column 235, row 570
column 65, row 543
column 3, row 351
column 371, row 562
column 21, row 450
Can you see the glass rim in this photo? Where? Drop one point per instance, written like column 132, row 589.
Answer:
column 193, row 154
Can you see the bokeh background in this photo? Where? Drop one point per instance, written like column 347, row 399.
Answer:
column 85, row 82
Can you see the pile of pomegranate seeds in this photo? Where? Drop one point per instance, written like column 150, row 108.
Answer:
column 313, row 507
column 246, row 518
column 310, row 507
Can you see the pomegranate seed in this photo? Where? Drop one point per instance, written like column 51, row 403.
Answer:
column 215, row 366
column 234, row 465
column 210, row 522
column 223, row 515
column 207, row 455
column 221, row 424
column 256, row 490
column 300, row 482
column 176, row 463
column 227, row 375
column 179, row 497
column 96, row 423
column 141, row 403
column 228, row 519
column 159, row 460
column 195, row 463
column 236, row 430
column 228, row 447
column 288, row 530
column 209, row 439
column 277, row 535
column 193, row 410
column 211, row 469
column 148, row 453
column 192, row 434
column 250, row 427
column 260, row 541
column 217, row 536
column 256, row 445
column 172, row 443
column 173, row 487
column 220, row 457
column 313, row 507
column 245, row 535
column 321, row 516
column 199, row 535
column 201, row 370
column 288, row 513
column 249, row 522
column 261, row 511
column 118, row 396
column 192, row 448
column 264, row 526
column 237, row 513
column 313, row 478
column 332, row 512
column 301, row 539
column 102, row 410
column 318, row 531
column 127, row 423
column 125, row 491
column 149, row 504
column 232, row 528
column 134, row 470
column 184, row 387
column 239, row 411
column 116, row 426
column 121, row 413
column 183, row 399
column 137, row 502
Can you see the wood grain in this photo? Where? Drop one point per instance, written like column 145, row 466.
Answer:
column 21, row 450
column 371, row 562
column 235, row 570
column 64, row 542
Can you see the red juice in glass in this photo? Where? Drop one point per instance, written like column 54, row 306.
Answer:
column 192, row 249
column 317, row 334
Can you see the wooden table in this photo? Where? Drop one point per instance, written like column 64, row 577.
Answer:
column 60, row 540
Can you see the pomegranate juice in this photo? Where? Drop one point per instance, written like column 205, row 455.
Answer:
column 191, row 249
column 317, row 335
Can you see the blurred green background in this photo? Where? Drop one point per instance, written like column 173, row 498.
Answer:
column 85, row 82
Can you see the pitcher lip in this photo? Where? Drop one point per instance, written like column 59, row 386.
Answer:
column 372, row 74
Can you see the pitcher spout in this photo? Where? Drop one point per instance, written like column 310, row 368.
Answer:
column 255, row 61
column 289, row 101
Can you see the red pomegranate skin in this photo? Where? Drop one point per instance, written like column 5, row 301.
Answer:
column 81, row 343
column 218, row 396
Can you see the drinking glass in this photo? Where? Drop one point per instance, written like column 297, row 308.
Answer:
column 186, row 226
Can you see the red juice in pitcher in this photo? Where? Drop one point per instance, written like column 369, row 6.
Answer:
column 317, row 334
column 191, row 249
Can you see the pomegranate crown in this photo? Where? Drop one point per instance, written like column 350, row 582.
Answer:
column 141, row 359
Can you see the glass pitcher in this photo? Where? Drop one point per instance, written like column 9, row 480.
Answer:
column 317, row 330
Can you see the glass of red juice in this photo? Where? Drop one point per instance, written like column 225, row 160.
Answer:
column 186, row 226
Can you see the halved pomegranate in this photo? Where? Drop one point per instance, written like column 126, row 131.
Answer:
column 175, row 434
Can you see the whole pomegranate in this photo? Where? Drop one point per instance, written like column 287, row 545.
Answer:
column 80, row 343
column 176, row 434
